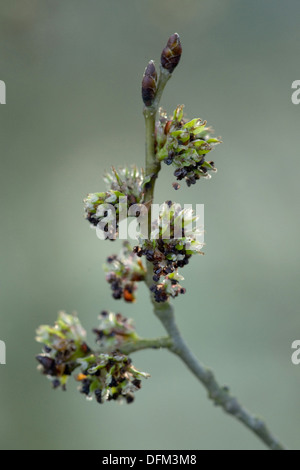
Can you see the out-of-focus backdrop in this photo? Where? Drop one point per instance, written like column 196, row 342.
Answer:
column 73, row 73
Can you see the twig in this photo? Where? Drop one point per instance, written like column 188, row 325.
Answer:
column 140, row 344
column 152, row 165
column 219, row 395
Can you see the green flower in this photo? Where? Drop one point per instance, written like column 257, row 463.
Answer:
column 168, row 287
column 126, row 188
column 110, row 377
column 128, row 181
column 63, row 345
column 185, row 145
column 123, row 272
column 114, row 330
column 172, row 243
column 106, row 208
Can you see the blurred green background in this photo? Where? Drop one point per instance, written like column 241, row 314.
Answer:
column 73, row 72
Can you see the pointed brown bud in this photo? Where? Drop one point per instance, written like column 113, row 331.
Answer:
column 171, row 54
column 149, row 84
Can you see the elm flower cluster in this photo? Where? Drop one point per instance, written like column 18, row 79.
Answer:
column 110, row 377
column 103, row 210
column 168, row 287
column 114, row 330
column 185, row 145
column 123, row 273
column 129, row 181
column 173, row 241
column 125, row 188
column 107, row 376
column 63, row 344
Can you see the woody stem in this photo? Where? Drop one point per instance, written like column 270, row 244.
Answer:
column 152, row 165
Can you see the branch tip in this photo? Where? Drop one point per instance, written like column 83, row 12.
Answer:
column 149, row 84
column 171, row 54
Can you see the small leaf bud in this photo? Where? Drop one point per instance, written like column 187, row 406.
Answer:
column 171, row 54
column 149, row 84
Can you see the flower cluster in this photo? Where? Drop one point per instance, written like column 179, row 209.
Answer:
column 104, row 209
column 108, row 374
column 185, row 145
column 114, row 330
column 129, row 181
column 63, row 345
column 168, row 287
column 123, row 272
column 109, row 377
column 173, row 242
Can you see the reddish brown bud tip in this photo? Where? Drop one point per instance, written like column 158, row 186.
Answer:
column 171, row 54
column 149, row 84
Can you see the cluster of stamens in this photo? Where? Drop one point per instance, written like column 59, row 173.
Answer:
column 185, row 145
